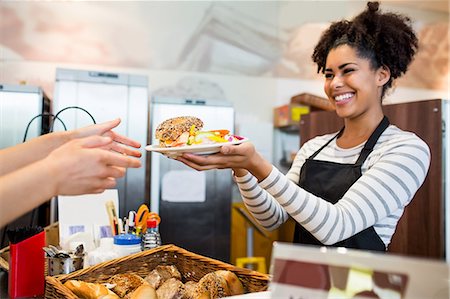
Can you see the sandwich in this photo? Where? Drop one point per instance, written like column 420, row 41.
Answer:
column 186, row 130
column 176, row 131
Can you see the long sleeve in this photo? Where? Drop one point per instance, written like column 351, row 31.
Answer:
column 267, row 211
column 391, row 176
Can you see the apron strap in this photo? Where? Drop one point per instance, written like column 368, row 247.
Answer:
column 320, row 149
column 368, row 147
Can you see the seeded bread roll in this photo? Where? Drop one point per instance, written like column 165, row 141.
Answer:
column 171, row 129
column 233, row 282
column 125, row 283
column 212, row 285
column 189, row 290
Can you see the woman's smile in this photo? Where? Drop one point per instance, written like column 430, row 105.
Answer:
column 345, row 98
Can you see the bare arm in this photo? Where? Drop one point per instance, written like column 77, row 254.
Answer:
column 78, row 167
column 23, row 154
column 15, row 157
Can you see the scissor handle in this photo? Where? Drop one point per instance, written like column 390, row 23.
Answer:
column 142, row 209
column 142, row 215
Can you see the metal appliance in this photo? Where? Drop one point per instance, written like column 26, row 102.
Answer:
column 108, row 96
column 23, row 106
column 19, row 104
column 197, row 216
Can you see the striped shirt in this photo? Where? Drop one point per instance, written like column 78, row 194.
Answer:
column 391, row 175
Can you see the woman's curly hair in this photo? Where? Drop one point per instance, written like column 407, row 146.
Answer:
column 386, row 39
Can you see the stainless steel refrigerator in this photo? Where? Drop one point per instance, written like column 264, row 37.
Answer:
column 23, row 115
column 107, row 96
column 195, row 207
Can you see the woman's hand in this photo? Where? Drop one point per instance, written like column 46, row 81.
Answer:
column 241, row 158
column 83, row 166
column 120, row 143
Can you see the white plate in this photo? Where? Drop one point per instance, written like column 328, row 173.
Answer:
column 200, row 149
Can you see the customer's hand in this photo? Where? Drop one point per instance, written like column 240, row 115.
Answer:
column 120, row 143
column 83, row 166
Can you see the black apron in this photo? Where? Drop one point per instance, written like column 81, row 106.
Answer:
column 330, row 181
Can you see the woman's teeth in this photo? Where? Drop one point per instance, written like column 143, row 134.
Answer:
column 343, row 97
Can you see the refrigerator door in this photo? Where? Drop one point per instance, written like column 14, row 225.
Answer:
column 107, row 96
column 19, row 104
column 195, row 207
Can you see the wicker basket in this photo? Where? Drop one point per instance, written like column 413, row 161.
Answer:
column 191, row 266
column 4, row 259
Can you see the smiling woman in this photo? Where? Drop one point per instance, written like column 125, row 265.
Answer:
column 349, row 188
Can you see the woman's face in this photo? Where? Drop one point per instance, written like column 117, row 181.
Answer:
column 351, row 85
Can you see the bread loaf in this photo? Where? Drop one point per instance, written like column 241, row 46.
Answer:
column 160, row 274
column 125, row 283
column 87, row 290
column 145, row 291
column 171, row 289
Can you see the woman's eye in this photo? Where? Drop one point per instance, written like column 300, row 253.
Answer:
column 346, row 71
column 328, row 76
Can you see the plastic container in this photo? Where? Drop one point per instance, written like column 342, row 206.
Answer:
column 151, row 238
column 126, row 244
column 103, row 253
column 79, row 238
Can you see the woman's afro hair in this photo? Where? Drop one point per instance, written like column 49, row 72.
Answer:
column 386, row 39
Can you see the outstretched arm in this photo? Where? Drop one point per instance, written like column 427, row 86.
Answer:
column 18, row 156
column 78, row 167
column 23, row 154
column 121, row 144
column 377, row 198
column 383, row 191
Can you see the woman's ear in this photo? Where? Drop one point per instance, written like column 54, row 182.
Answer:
column 383, row 75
